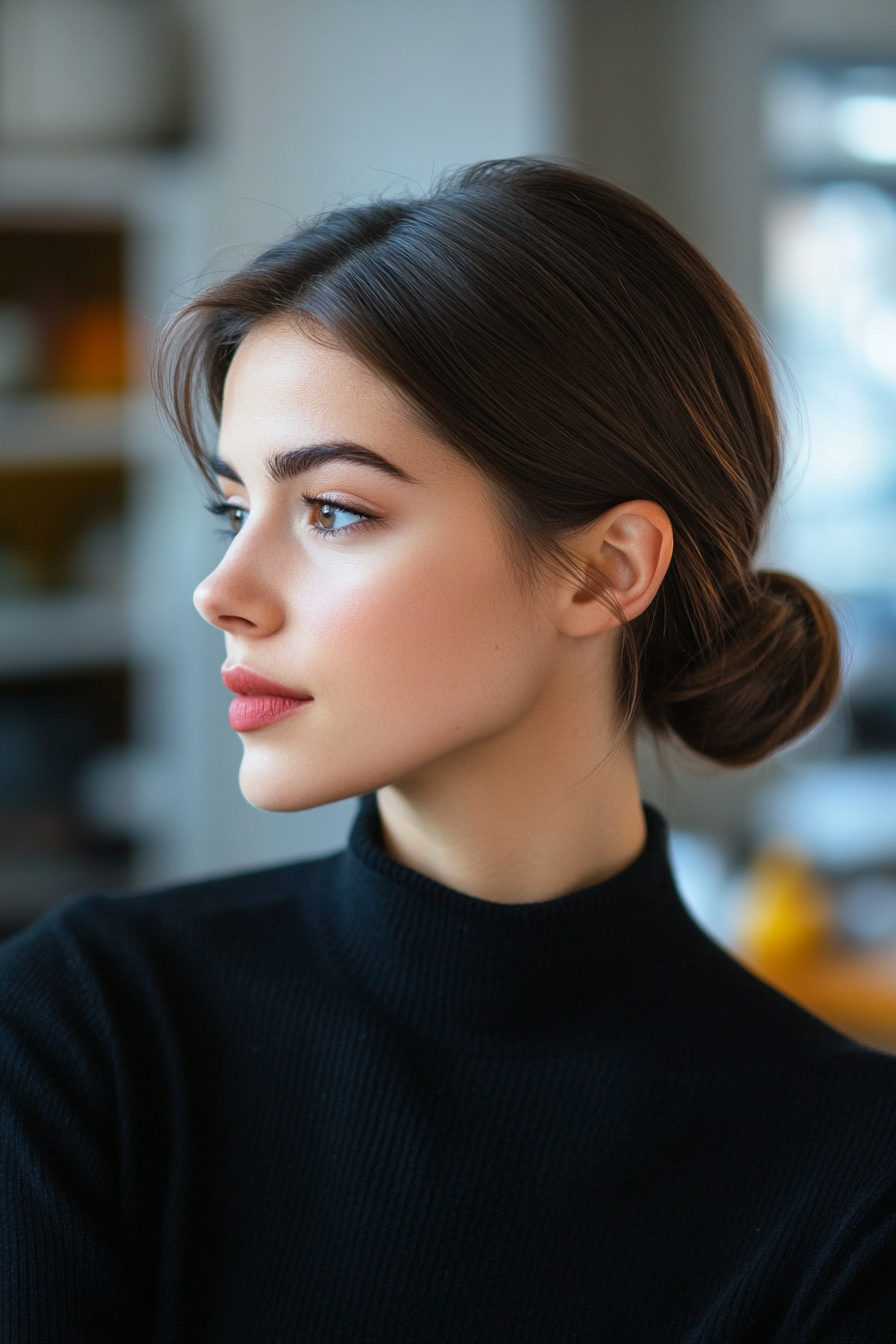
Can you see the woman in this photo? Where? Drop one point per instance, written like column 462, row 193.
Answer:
column 495, row 464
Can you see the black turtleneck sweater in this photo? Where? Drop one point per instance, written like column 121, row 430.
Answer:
column 338, row 1102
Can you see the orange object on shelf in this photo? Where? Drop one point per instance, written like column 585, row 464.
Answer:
column 788, row 937
column 91, row 350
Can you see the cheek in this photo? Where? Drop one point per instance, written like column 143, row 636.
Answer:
column 409, row 657
column 419, row 639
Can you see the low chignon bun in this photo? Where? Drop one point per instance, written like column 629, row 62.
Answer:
column 774, row 672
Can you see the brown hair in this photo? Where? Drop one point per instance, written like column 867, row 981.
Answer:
column 572, row 344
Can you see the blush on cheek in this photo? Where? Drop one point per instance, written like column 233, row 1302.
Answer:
column 420, row 630
column 393, row 693
column 410, row 652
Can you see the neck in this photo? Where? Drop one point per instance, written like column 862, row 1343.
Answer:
column 546, row 807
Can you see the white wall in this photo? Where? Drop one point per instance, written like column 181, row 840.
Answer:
column 316, row 100
column 665, row 101
column 865, row 29
column 307, row 103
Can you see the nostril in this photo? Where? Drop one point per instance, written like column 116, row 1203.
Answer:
column 232, row 601
column 235, row 623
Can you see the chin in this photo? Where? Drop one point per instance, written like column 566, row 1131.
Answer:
column 282, row 773
column 278, row 781
column 290, row 790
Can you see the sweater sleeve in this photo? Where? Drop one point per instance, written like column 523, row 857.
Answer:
column 65, row 1273
column 848, row 1295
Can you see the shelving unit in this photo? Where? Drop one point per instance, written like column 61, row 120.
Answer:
column 57, row 428
column 83, row 239
column 61, row 633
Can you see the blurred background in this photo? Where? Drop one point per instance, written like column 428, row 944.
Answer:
column 147, row 146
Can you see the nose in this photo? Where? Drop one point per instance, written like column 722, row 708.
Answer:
column 236, row 598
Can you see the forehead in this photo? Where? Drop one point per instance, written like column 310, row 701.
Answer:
column 284, row 388
column 286, row 391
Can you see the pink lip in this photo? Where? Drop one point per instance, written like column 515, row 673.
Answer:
column 259, row 701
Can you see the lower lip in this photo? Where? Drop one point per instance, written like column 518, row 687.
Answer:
column 248, row 712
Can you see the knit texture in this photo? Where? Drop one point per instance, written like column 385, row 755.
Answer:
column 336, row 1101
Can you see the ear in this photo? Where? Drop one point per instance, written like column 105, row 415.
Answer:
column 621, row 559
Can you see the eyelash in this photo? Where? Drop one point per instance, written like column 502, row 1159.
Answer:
column 363, row 518
column 223, row 509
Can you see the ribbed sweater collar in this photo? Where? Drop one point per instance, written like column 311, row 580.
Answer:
column 456, row 966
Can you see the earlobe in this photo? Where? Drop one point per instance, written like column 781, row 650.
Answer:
column 622, row 558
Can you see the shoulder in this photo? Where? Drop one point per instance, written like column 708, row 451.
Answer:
column 249, row 895
column 98, row 950
column 784, row 1066
column 106, row 992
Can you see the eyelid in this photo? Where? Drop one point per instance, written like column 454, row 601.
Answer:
column 222, row 507
column 341, row 500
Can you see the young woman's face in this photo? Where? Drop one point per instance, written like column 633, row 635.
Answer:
column 368, row 578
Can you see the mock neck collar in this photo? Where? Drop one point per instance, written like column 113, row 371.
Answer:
column 453, row 965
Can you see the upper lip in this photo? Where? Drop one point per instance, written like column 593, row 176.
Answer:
column 245, row 682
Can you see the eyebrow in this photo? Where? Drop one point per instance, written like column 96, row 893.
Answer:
column 284, row 466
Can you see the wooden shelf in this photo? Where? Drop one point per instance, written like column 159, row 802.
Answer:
column 77, row 182
column 39, row 431
column 61, row 633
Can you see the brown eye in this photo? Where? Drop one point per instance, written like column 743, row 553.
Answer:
column 329, row 517
column 234, row 516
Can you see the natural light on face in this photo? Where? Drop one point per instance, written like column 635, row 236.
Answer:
column 383, row 597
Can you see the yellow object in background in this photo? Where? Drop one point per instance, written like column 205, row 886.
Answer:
column 789, row 916
column 788, row 936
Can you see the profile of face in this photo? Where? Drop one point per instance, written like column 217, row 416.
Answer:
column 377, row 626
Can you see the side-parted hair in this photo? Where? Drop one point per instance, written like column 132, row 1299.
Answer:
column 569, row 342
